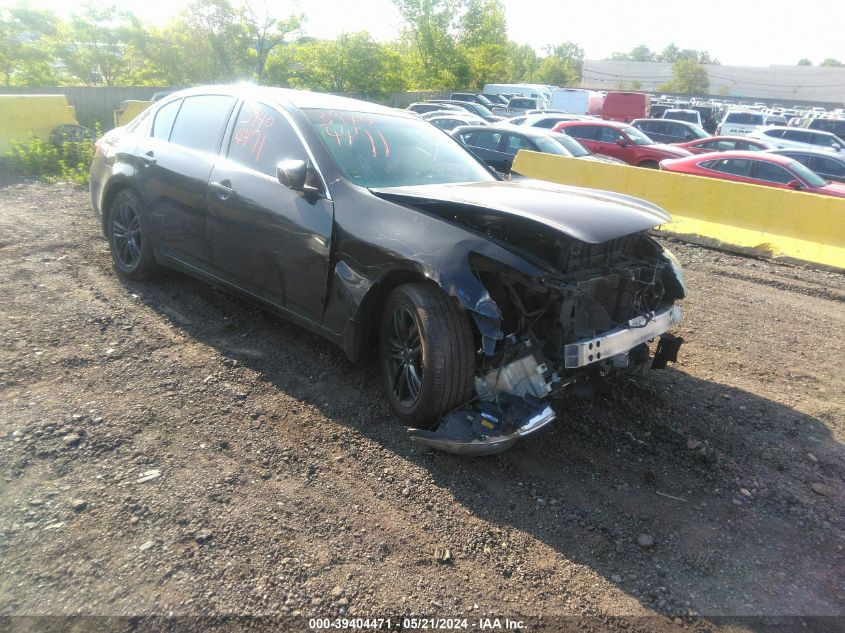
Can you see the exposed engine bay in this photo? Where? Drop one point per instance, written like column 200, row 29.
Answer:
column 591, row 316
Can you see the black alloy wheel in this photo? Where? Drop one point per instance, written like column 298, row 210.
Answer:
column 131, row 249
column 427, row 353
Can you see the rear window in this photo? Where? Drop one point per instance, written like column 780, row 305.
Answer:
column 744, row 118
column 200, row 122
column 164, row 120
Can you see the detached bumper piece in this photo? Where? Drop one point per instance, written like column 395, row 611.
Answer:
column 485, row 428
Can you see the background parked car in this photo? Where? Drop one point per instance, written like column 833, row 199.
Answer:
column 428, row 106
column 619, row 140
column 547, row 121
column 725, row 144
column 740, row 122
column 577, row 101
column 781, row 137
column 690, row 116
column 497, row 145
column 451, row 121
column 667, row 131
column 473, row 98
column 832, row 125
column 828, row 166
column 625, row 106
column 473, row 108
column 520, row 105
column 757, row 168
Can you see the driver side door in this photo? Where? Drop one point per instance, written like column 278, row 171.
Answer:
column 265, row 238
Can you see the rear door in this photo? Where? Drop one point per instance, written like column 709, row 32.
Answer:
column 586, row 135
column 264, row 237
column 827, row 168
column 176, row 163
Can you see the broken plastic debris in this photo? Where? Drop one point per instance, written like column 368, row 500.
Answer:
column 148, row 475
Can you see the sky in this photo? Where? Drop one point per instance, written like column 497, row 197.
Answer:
column 749, row 33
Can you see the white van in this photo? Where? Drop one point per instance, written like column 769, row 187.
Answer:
column 577, row 101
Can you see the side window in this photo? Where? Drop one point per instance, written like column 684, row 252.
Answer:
column 735, row 166
column 547, row 123
column 586, row 132
column 608, row 135
column 771, row 173
column 827, row 166
column 647, row 126
column 467, row 138
column 776, row 133
column 262, row 137
column 201, row 121
column 795, row 135
column 164, row 120
column 822, row 139
column 488, row 140
column 516, row 143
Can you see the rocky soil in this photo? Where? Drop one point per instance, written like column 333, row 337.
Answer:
column 168, row 450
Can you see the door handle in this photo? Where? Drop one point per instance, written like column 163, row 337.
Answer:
column 222, row 190
column 149, row 158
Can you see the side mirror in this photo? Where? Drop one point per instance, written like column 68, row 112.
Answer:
column 795, row 184
column 836, row 146
column 621, row 142
column 292, row 173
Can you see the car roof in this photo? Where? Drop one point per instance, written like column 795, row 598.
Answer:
column 617, row 124
column 508, row 129
column 687, row 123
column 767, row 156
column 299, row 98
column 809, row 152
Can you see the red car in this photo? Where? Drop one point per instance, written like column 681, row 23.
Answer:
column 756, row 168
column 620, row 140
column 724, row 144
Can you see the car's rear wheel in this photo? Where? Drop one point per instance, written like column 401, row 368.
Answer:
column 131, row 249
column 426, row 353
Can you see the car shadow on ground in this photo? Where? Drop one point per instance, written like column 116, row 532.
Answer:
column 692, row 496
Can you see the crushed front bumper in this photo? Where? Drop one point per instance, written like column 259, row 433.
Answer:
column 618, row 341
column 486, row 429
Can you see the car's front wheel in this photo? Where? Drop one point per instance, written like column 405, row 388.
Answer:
column 426, row 353
column 131, row 249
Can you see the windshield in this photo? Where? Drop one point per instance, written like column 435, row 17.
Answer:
column 807, row 174
column 572, row 146
column 637, row 137
column 378, row 150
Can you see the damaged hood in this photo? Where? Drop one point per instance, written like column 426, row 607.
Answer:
column 588, row 215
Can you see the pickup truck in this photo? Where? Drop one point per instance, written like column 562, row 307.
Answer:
column 737, row 122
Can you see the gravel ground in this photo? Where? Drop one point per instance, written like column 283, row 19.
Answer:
column 166, row 449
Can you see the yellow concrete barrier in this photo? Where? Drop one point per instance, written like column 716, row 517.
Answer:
column 129, row 110
column 23, row 116
column 765, row 220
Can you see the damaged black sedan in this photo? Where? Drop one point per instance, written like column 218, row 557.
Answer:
column 377, row 230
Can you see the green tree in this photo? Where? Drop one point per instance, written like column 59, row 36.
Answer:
column 641, row 53
column 805, row 62
column 353, row 63
column 429, row 40
column 482, row 47
column 831, row 62
column 522, row 60
column 215, row 39
column 97, row 45
column 27, row 40
column 267, row 31
column 689, row 77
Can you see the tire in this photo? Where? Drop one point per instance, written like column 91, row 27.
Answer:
column 426, row 352
column 131, row 248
